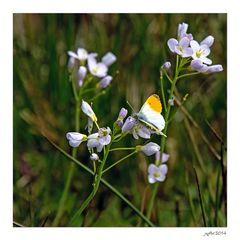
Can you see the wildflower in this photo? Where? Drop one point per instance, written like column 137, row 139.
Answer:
column 165, row 156
column 71, row 63
column 99, row 139
column 93, row 142
column 128, row 124
column 207, row 41
column 94, row 157
column 215, row 68
column 201, row 67
column 139, row 130
column 200, row 52
column 81, row 75
column 90, row 125
column 181, row 48
column 105, row 81
column 75, row 138
column 198, row 65
column 182, row 31
column 150, row 148
column 104, row 136
column 81, row 54
column 97, row 69
column 108, row 59
column 166, row 65
column 156, row 173
column 86, row 108
column 122, row 114
column 171, row 101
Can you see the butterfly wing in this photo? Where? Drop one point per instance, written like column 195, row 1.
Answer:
column 150, row 113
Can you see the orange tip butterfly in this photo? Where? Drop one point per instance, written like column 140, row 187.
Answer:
column 150, row 114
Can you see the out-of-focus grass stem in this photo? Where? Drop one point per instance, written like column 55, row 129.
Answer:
column 65, row 192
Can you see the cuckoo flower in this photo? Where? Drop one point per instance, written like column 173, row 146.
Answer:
column 75, row 138
column 139, row 130
column 105, row 81
column 104, row 136
column 166, row 65
column 94, row 157
column 99, row 139
column 215, row 68
column 165, row 156
column 81, row 54
column 150, row 148
column 128, row 124
column 181, row 48
column 207, row 41
column 200, row 52
column 97, row 69
column 122, row 114
column 108, row 59
column 94, row 143
column 157, row 174
column 82, row 71
column 182, row 31
column 86, row 108
column 71, row 63
column 198, row 66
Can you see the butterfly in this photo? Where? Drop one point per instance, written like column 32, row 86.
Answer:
column 150, row 114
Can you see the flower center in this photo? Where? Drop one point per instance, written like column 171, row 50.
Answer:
column 180, row 48
column 157, row 174
column 199, row 53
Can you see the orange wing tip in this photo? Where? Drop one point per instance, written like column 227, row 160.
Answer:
column 154, row 102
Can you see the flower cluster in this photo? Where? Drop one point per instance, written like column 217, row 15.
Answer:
column 187, row 47
column 138, row 129
column 94, row 140
column 87, row 63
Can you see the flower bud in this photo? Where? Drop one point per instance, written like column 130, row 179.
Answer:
column 166, row 65
column 108, row 59
column 150, row 148
column 128, row 125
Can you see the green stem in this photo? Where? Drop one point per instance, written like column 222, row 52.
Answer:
column 162, row 91
column 121, row 149
column 163, row 139
column 95, row 186
column 188, row 74
column 61, row 207
column 149, row 211
column 119, row 161
column 108, row 185
column 169, row 79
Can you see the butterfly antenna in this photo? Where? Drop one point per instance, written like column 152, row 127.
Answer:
column 130, row 106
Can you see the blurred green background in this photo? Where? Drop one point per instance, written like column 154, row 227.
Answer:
column 43, row 102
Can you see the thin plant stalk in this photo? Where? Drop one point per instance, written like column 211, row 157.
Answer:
column 119, row 161
column 163, row 139
column 95, row 186
column 70, row 175
column 200, row 199
column 108, row 185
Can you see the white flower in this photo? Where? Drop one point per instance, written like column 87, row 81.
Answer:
column 75, row 138
column 108, row 59
column 156, row 173
column 97, row 69
column 81, row 54
column 86, row 108
column 200, row 52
